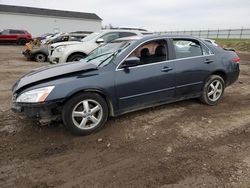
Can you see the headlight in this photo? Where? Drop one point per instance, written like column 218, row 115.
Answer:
column 36, row 95
column 60, row 49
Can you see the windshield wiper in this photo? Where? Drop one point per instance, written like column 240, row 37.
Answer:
column 98, row 56
column 110, row 56
column 113, row 54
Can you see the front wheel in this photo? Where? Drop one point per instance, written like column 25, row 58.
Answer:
column 85, row 113
column 75, row 57
column 213, row 90
column 39, row 57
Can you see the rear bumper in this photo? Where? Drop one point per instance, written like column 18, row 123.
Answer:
column 232, row 77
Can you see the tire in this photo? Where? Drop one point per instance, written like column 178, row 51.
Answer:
column 213, row 90
column 77, row 116
column 40, row 57
column 75, row 57
column 22, row 41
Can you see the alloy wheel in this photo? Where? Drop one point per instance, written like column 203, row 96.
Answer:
column 215, row 90
column 87, row 114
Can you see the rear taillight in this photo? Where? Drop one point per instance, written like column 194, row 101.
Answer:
column 236, row 60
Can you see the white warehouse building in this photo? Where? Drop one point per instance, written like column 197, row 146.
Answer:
column 40, row 21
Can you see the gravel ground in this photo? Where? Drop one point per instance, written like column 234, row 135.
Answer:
column 185, row 144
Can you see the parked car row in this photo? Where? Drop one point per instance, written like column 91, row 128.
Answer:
column 61, row 47
column 122, row 75
column 38, row 49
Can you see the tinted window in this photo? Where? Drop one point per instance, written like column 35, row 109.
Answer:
column 5, row 32
column 206, row 50
column 21, row 32
column 16, row 32
column 151, row 52
column 110, row 36
column 126, row 34
column 187, row 48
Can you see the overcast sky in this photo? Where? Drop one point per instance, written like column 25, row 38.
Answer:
column 156, row 15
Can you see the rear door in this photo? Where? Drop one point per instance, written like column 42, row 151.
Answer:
column 14, row 35
column 193, row 63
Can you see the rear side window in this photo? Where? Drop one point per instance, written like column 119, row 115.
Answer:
column 187, row 48
column 126, row 34
column 16, row 32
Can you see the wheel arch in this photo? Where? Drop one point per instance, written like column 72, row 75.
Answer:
column 20, row 39
column 75, row 53
column 39, row 52
column 99, row 92
column 222, row 74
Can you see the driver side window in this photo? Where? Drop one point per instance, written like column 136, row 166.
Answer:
column 151, row 52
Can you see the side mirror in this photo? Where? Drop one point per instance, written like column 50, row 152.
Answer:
column 131, row 62
column 100, row 41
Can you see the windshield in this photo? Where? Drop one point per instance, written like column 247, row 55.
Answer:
column 91, row 36
column 103, row 55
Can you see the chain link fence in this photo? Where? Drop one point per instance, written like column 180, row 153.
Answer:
column 216, row 34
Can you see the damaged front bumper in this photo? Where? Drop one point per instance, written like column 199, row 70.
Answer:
column 44, row 112
column 27, row 54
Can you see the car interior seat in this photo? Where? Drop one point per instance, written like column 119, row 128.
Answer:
column 160, row 53
column 145, row 53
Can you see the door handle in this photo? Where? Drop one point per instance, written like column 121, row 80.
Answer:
column 166, row 69
column 208, row 61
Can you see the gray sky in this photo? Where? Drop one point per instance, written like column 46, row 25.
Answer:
column 156, row 15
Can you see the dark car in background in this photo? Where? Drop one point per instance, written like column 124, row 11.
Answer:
column 16, row 36
column 123, row 76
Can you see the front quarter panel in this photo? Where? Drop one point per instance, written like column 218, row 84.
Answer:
column 100, row 80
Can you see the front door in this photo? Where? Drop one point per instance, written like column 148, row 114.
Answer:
column 151, row 81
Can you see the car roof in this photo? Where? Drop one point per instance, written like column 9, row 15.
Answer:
column 131, row 38
column 123, row 30
column 154, row 36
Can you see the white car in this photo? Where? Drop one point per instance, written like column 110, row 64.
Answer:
column 74, row 51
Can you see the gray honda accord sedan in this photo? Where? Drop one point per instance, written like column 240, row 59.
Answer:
column 126, row 75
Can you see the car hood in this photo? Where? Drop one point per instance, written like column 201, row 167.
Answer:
column 64, row 43
column 85, row 47
column 47, row 72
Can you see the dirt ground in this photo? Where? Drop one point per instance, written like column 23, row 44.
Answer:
column 185, row 144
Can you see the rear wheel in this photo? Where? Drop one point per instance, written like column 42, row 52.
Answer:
column 40, row 57
column 213, row 90
column 85, row 113
column 22, row 41
column 76, row 57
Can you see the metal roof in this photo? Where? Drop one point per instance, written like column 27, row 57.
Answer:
column 48, row 12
